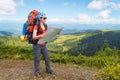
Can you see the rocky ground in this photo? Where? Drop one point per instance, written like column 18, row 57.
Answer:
column 23, row 70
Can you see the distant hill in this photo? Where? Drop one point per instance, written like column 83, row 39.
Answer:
column 68, row 28
column 86, row 43
column 94, row 41
column 6, row 33
column 74, row 31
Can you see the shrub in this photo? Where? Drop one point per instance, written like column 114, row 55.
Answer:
column 110, row 72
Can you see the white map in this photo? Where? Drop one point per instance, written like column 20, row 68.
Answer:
column 51, row 34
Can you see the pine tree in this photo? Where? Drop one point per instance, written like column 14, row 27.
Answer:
column 105, row 45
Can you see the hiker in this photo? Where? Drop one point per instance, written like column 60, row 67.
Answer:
column 40, row 26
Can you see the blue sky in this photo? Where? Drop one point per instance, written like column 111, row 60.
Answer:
column 63, row 11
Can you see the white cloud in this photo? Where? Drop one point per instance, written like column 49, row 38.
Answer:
column 83, row 17
column 108, row 21
column 54, row 20
column 102, row 17
column 7, row 7
column 98, row 4
column 86, row 19
column 13, row 20
column 69, row 4
column 106, row 7
column 66, row 4
column 60, row 20
column 103, row 4
column 21, row 3
column 103, row 14
column 41, row 0
column 115, row 6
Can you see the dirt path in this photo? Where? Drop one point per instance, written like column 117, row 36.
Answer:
column 23, row 70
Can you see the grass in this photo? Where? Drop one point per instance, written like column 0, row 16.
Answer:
column 65, row 42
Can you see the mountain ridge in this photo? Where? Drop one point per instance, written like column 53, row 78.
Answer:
column 86, row 43
column 6, row 33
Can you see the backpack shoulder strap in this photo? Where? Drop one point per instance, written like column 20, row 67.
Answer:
column 38, row 28
column 45, row 25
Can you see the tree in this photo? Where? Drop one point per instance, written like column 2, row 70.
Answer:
column 105, row 45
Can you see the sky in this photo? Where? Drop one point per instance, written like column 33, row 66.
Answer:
column 63, row 11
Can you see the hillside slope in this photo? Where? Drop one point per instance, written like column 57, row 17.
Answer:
column 5, row 33
column 95, row 40
column 86, row 43
column 23, row 70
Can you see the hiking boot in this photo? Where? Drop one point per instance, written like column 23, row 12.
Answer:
column 37, row 75
column 50, row 72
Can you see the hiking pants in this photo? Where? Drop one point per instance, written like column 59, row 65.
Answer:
column 37, row 49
